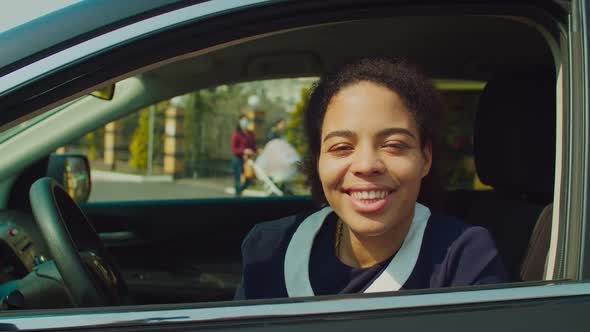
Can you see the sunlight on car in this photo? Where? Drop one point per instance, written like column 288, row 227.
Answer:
column 18, row 12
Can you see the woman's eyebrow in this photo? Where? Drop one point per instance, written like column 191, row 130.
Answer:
column 338, row 133
column 394, row 131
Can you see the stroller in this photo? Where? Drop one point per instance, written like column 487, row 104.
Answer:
column 277, row 163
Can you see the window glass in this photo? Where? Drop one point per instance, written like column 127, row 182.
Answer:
column 182, row 147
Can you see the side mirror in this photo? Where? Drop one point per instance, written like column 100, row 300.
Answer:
column 72, row 171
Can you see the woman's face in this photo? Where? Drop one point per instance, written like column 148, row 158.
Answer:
column 244, row 123
column 371, row 163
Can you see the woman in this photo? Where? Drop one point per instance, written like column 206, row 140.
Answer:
column 369, row 129
column 242, row 144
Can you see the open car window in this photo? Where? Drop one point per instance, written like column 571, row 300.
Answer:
column 183, row 145
column 180, row 148
column 163, row 197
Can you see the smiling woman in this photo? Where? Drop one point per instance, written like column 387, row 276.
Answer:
column 369, row 129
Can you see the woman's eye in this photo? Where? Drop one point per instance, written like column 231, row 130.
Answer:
column 340, row 148
column 395, row 146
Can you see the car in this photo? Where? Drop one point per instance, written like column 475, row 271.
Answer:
column 513, row 158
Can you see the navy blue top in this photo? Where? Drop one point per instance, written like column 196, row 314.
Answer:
column 452, row 254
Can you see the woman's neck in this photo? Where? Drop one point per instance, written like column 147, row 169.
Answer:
column 363, row 251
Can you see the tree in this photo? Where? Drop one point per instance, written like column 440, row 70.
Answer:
column 89, row 141
column 139, row 141
column 295, row 133
column 91, row 144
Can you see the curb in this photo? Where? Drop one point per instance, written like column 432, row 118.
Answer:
column 105, row 176
column 246, row 192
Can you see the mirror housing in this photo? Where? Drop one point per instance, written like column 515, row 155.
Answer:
column 104, row 93
column 72, row 171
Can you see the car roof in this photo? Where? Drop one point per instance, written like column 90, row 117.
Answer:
column 69, row 25
column 62, row 28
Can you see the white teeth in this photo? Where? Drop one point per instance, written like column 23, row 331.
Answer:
column 369, row 194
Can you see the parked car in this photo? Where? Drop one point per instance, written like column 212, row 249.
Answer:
column 173, row 264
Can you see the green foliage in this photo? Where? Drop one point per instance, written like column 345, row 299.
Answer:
column 139, row 141
column 136, row 128
column 91, row 144
column 94, row 143
column 91, row 149
column 295, row 134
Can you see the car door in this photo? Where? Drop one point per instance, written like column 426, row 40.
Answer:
column 555, row 304
column 172, row 251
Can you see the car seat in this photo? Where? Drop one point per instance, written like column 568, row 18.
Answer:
column 514, row 151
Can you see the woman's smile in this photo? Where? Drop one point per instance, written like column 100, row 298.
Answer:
column 369, row 198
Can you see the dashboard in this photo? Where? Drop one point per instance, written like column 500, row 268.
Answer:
column 20, row 245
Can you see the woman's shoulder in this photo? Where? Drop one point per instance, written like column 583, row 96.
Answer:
column 282, row 224
column 449, row 231
column 461, row 254
column 269, row 236
column 452, row 224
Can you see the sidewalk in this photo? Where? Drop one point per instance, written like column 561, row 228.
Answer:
column 107, row 176
column 224, row 185
column 124, row 173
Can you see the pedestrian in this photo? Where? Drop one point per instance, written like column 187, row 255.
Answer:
column 243, row 145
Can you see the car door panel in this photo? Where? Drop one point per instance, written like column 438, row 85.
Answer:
column 542, row 307
column 183, row 250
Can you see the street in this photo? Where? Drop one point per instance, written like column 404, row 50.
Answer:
column 103, row 191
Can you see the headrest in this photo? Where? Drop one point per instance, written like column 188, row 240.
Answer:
column 514, row 134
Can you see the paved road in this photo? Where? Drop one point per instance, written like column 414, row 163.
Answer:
column 124, row 191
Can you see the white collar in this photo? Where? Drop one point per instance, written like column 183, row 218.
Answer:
column 296, row 268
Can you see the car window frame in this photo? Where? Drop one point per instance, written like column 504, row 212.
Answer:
column 113, row 38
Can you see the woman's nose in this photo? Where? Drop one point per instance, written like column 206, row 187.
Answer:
column 367, row 161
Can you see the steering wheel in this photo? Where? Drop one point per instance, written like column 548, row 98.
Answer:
column 89, row 274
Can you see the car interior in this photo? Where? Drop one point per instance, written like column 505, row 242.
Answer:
column 173, row 251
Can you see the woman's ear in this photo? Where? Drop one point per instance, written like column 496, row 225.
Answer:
column 427, row 156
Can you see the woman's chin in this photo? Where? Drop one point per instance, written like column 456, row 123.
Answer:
column 368, row 227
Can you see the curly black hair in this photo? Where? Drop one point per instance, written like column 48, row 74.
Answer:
column 415, row 89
